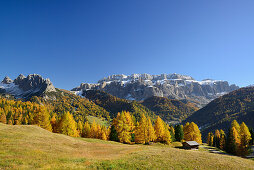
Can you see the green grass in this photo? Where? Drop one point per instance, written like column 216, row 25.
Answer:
column 100, row 121
column 30, row 147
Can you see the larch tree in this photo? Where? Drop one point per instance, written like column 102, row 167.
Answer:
column 222, row 140
column 216, row 141
column 245, row 137
column 67, row 125
column 124, row 126
column 159, row 128
column 167, row 136
column 86, row 130
column 3, row 118
column 192, row 132
column 80, row 128
column 150, row 131
column 53, row 123
column 141, row 132
column 236, row 125
column 94, row 130
column 233, row 141
column 42, row 118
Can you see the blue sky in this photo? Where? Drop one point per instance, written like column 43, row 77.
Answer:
column 83, row 41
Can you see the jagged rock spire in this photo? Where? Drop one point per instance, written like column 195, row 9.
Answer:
column 7, row 80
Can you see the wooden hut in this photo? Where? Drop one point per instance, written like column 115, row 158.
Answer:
column 190, row 145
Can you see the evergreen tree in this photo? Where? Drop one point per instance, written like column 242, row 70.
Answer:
column 179, row 133
column 252, row 137
column 172, row 133
column 67, row 125
column 113, row 136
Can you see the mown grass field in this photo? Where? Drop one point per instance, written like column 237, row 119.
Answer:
column 30, row 147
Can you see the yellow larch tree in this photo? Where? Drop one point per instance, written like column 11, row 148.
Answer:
column 159, row 129
column 245, row 137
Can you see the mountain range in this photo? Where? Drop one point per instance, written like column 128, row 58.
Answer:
column 173, row 97
column 173, row 86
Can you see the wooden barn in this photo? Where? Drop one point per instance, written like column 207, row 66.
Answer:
column 190, row 145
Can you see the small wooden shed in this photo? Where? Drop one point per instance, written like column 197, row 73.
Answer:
column 190, row 145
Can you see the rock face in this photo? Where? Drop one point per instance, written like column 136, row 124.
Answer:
column 25, row 87
column 7, row 80
column 173, row 86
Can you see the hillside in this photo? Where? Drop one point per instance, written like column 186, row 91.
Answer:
column 170, row 110
column 57, row 103
column 30, row 147
column 114, row 104
column 219, row 113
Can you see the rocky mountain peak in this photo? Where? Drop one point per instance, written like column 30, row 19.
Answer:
column 173, row 86
column 23, row 87
column 7, row 80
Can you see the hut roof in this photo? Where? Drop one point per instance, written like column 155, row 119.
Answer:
column 192, row 143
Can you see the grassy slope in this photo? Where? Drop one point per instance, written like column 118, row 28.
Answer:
column 27, row 147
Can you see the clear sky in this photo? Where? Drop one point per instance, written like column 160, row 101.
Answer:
column 78, row 41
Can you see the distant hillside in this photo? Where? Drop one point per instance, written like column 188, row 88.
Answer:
column 114, row 104
column 172, row 111
column 62, row 101
column 219, row 113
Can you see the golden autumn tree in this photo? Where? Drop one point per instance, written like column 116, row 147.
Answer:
column 3, row 118
column 141, row 132
column 124, row 126
column 233, row 141
column 42, row 118
column 210, row 139
column 53, row 123
column 150, row 131
column 167, row 137
column 216, row 142
column 222, row 140
column 192, row 132
column 245, row 138
column 86, row 130
column 94, row 130
column 68, row 126
column 80, row 128
column 236, row 125
column 159, row 129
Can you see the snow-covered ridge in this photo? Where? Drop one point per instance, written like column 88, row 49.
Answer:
column 156, row 79
column 173, row 86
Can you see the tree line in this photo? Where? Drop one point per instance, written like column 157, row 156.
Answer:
column 237, row 141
